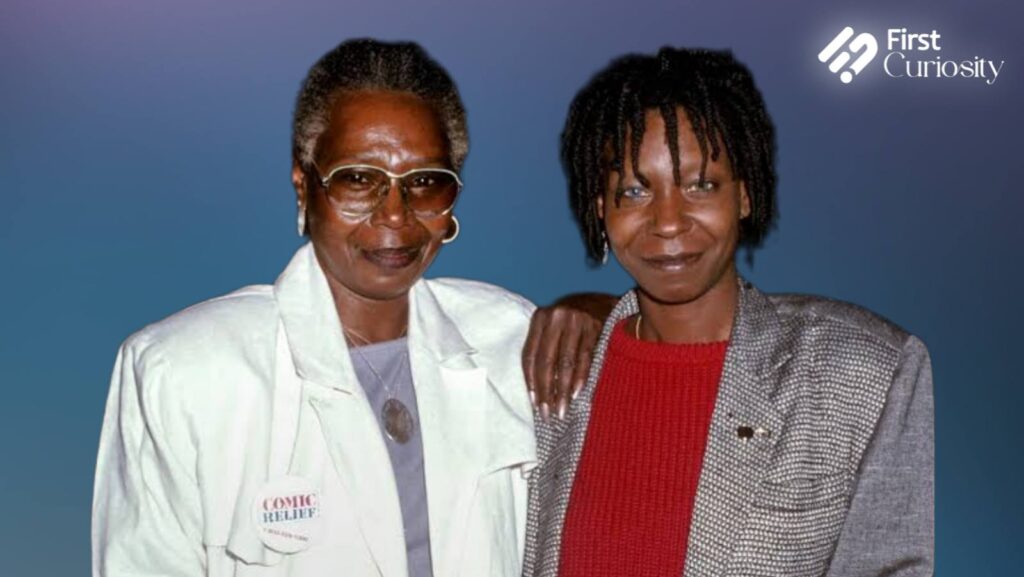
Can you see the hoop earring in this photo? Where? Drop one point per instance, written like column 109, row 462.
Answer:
column 301, row 220
column 604, row 248
column 451, row 236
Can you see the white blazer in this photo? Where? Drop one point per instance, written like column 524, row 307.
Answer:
column 208, row 405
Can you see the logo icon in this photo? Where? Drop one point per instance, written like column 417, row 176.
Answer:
column 864, row 46
column 288, row 514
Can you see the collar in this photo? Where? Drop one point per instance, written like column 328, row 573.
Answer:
column 314, row 331
column 758, row 341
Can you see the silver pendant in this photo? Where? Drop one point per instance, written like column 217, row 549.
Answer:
column 398, row 423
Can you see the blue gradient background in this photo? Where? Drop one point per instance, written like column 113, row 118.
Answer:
column 144, row 158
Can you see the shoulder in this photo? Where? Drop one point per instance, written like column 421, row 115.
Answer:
column 470, row 300
column 192, row 378
column 492, row 320
column 851, row 348
column 209, row 325
column 838, row 320
column 845, row 366
column 199, row 359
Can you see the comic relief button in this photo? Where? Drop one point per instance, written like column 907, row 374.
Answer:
column 287, row 513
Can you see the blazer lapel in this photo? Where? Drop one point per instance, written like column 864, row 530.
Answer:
column 364, row 469
column 346, row 419
column 467, row 428
column 745, row 426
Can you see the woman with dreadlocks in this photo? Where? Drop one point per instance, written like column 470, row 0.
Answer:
column 722, row 431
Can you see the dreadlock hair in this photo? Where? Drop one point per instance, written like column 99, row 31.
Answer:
column 723, row 105
column 367, row 64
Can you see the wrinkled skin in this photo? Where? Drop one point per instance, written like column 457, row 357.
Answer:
column 372, row 262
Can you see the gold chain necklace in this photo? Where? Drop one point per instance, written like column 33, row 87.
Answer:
column 397, row 418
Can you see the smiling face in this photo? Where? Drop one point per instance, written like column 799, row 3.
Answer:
column 379, row 256
column 678, row 242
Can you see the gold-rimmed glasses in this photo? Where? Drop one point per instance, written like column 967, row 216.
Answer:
column 358, row 189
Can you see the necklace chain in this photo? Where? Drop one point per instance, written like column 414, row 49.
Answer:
column 361, row 341
column 396, row 419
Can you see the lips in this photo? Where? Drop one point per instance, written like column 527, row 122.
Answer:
column 393, row 258
column 671, row 262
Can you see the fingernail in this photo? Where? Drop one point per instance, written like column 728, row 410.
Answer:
column 561, row 411
column 533, row 398
column 576, row 390
column 545, row 412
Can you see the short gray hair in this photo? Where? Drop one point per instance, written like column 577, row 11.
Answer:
column 367, row 64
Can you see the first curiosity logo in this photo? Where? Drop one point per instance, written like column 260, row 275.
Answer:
column 910, row 55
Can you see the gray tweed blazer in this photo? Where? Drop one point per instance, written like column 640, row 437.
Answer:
column 819, row 459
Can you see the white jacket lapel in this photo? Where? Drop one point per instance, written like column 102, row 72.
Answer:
column 348, row 423
column 364, row 468
column 468, row 429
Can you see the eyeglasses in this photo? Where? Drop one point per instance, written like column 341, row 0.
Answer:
column 358, row 189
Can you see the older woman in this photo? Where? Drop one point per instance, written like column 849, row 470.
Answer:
column 722, row 431
column 353, row 418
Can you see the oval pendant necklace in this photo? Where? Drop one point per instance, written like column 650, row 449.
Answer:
column 398, row 422
column 399, row 425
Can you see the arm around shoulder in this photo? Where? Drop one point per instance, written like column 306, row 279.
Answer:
column 890, row 527
column 146, row 517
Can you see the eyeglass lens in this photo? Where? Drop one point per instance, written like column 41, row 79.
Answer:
column 360, row 190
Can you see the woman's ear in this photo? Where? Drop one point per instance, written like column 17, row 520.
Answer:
column 299, row 182
column 744, row 201
column 599, row 203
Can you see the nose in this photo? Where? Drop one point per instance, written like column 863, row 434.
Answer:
column 670, row 216
column 392, row 211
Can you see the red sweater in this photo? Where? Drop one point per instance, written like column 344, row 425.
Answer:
column 632, row 499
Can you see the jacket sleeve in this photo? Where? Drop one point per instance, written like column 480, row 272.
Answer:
column 890, row 528
column 146, row 515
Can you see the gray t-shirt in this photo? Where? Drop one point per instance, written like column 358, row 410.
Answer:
column 389, row 360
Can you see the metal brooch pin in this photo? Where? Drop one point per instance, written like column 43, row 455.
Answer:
column 746, row 432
